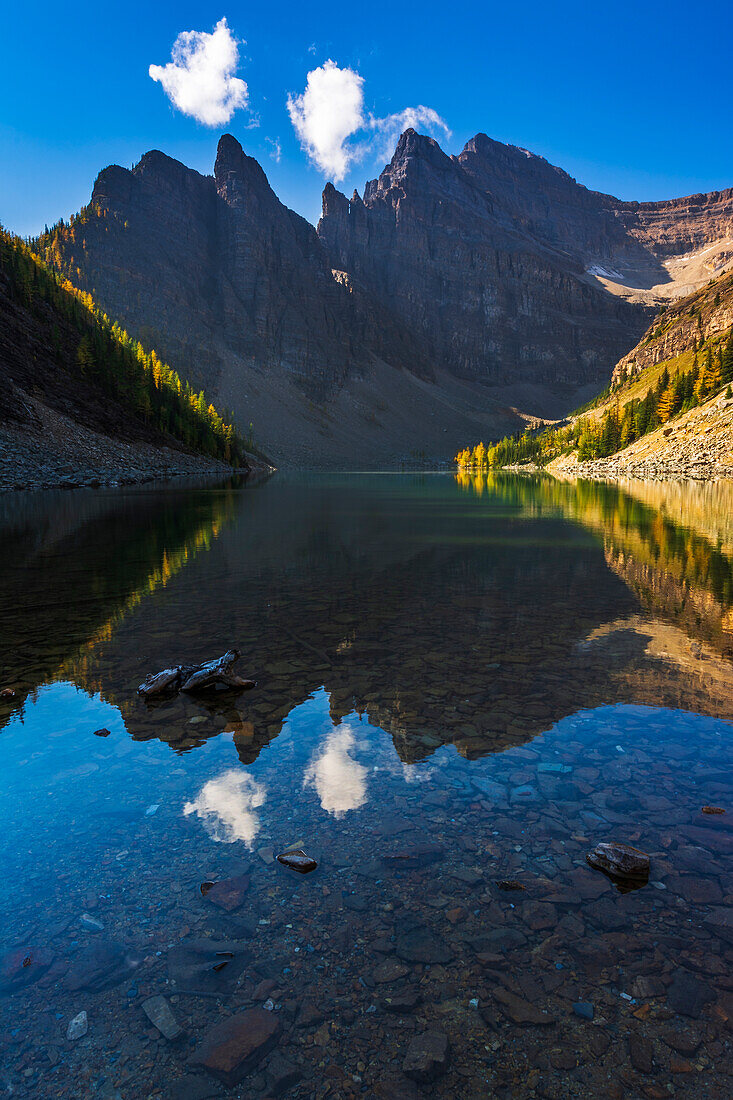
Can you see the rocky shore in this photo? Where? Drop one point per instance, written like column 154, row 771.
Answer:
column 698, row 446
column 64, row 455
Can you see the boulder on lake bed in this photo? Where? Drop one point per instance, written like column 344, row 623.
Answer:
column 22, row 966
column 619, row 861
column 297, row 860
column 234, row 1046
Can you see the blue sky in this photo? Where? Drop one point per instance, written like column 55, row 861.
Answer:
column 632, row 99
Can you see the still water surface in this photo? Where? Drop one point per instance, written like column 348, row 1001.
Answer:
column 461, row 685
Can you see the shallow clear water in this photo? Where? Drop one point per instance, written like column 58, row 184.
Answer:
column 462, row 685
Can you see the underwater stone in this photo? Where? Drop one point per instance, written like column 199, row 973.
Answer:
column 427, row 1057
column 78, row 1027
column 297, row 861
column 231, row 1048
column 619, row 860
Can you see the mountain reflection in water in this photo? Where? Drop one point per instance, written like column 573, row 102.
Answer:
column 476, row 613
column 461, row 685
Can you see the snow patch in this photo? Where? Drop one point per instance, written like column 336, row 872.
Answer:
column 596, row 269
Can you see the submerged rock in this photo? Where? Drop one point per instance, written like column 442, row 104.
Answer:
column 233, row 1047
column 520, row 1011
column 720, row 922
column 687, row 995
column 102, row 965
column 78, row 1027
column 413, row 856
column 427, row 1057
column 228, row 894
column 159, row 1013
column 208, row 967
column 23, row 966
column 620, row 862
column 298, row 861
column 389, row 971
column 421, row 945
column 281, row 1075
column 404, row 1001
column 86, row 920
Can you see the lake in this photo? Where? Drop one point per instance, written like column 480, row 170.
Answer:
column 463, row 685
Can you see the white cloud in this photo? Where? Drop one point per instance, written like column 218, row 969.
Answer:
column 199, row 79
column 276, row 150
column 420, row 118
column 340, row 781
column 226, row 806
column 330, row 113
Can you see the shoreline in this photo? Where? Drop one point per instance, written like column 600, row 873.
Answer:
column 35, row 462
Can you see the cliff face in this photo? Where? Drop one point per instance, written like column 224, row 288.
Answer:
column 456, row 288
column 210, row 268
column 507, row 268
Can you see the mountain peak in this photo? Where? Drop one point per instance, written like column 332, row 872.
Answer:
column 412, row 144
column 233, row 170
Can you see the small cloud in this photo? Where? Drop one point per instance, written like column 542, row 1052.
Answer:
column 328, row 112
column 199, row 79
column 420, row 118
column 276, row 151
column 329, row 115
column 339, row 780
column 227, row 807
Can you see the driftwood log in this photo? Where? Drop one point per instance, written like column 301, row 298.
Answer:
column 196, row 677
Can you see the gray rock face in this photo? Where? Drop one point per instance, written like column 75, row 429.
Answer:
column 215, row 271
column 491, row 258
column 481, row 266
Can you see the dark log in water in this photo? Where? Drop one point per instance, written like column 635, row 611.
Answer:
column 196, row 677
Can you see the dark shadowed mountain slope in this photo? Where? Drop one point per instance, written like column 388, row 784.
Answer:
column 510, row 270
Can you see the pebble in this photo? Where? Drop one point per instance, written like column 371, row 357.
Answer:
column 159, row 1013
column 91, row 923
column 78, row 1027
column 584, row 1009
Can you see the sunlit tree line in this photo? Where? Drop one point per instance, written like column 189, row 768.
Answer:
column 109, row 357
column 711, row 370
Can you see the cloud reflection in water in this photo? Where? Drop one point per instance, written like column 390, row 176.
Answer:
column 339, row 780
column 226, row 806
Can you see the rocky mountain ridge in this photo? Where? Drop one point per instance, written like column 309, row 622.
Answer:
column 457, row 291
column 683, row 326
